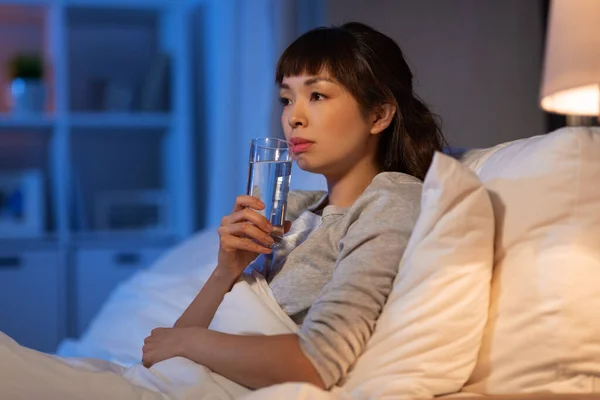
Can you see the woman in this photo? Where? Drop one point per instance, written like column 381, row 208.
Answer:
column 350, row 114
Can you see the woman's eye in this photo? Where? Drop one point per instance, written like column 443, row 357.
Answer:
column 317, row 96
column 284, row 101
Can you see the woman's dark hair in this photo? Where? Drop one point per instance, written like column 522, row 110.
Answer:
column 372, row 67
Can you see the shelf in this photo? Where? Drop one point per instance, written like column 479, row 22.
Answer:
column 8, row 121
column 123, row 5
column 121, row 120
column 89, row 120
column 46, row 242
column 101, row 239
column 90, row 239
column 118, row 4
column 118, row 119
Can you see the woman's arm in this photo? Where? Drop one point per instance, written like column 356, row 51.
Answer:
column 342, row 319
column 244, row 234
column 202, row 310
column 253, row 361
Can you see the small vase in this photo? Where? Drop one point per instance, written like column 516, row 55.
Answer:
column 27, row 96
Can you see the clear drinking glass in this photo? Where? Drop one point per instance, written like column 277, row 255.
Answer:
column 269, row 176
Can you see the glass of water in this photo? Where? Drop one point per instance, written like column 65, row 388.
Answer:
column 269, row 176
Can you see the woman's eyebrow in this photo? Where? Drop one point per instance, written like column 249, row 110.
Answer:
column 309, row 81
column 317, row 79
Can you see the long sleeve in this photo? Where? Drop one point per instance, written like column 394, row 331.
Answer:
column 342, row 319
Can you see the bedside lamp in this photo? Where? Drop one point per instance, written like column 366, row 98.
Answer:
column 571, row 79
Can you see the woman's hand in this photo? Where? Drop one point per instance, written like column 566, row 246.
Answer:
column 244, row 234
column 165, row 343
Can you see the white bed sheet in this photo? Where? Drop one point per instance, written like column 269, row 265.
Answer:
column 249, row 308
column 157, row 297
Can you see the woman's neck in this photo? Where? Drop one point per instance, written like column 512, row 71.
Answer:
column 344, row 190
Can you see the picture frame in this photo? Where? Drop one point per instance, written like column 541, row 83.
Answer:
column 22, row 213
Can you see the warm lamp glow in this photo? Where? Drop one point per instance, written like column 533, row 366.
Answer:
column 571, row 80
column 583, row 100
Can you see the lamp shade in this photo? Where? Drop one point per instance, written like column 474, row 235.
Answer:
column 571, row 79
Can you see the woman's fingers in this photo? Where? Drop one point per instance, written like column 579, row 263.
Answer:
column 232, row 243
column 245, row 201
column 146, row 357
column 251, row 216
column 247, row 230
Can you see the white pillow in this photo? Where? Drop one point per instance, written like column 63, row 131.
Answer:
column 426, row 340
column 475, row 158
column 544, row 327
column 146, row 301
column 150, row 298
column 196, row 255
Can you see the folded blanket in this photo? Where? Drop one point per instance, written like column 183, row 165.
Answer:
column 249, row 308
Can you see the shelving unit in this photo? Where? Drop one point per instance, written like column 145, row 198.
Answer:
column 135, row 122
column 9, row 122
column 117, row 119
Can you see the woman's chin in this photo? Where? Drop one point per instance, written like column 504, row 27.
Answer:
column 309, row 164
column 304, row 165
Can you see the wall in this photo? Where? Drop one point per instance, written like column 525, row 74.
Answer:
column 477, row 63
column 236, row 44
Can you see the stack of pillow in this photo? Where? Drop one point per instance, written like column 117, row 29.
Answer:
column 427, row 337
column 539, row 240
column 543, row 332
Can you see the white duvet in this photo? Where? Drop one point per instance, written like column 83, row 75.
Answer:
column 248, row 309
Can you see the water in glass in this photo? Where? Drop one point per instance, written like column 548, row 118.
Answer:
column 270, row 182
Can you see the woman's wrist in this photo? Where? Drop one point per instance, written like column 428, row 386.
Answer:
column 226, row 276
column 192, row 336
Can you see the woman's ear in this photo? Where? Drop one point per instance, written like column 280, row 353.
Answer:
column 382, row 117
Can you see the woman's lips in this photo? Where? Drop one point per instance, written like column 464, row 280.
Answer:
column 301, row 147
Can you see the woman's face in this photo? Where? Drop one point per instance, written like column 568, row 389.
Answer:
column 323, row 121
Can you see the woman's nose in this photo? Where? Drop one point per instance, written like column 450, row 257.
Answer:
column 297, row 120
